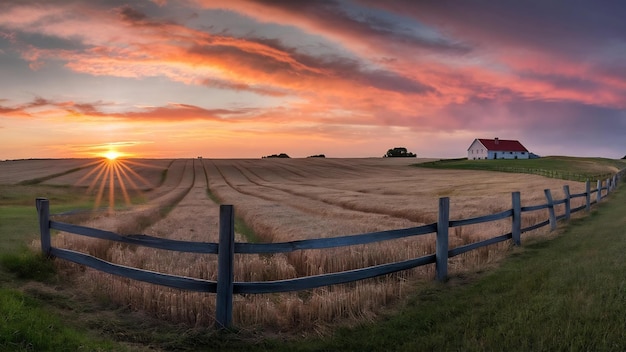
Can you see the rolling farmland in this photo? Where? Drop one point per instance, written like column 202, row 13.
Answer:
column 285, row 200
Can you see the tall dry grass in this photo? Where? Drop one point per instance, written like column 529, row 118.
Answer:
column 285, row 200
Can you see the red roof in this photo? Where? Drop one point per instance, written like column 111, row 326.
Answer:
column 503, row 145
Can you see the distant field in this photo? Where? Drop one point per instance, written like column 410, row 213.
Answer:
column 15, row 171
column 563, row 167
column 282, row 200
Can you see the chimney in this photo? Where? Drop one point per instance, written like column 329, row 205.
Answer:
column 495, row 140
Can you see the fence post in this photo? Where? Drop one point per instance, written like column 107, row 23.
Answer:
column 550, row 209
column 587, row 196
column 516, row 222
column 225, row 260
column 43, row 212
column 441, row 253
column 568, row 203
column 608, row 186
column 599, row 195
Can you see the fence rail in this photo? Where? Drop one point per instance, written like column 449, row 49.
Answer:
column 225, row 249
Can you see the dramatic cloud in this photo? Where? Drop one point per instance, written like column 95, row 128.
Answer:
column 551, row 74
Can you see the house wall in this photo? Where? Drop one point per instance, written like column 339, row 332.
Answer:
column 507, row 155
column 477, row 151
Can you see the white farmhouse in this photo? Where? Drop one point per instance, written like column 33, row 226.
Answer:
column 496, row 149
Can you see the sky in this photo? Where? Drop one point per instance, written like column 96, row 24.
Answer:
column 248, row 78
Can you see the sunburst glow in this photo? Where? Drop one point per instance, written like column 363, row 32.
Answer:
column 111, row 173
column 112, row 155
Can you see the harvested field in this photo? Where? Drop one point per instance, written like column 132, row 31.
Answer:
column 293, row 199
column 15, row 171
column 142, row 174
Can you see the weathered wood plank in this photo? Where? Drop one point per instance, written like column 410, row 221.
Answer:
column 578, row 195
column 340, row 241
column 516, row 221
column 43, row 212
column 588, row 196
column 534, row 207
column 141, row 240
column 470, row 247
column 225, row 270
column 536, row 226
column 579, row 208
column 309, row 282
column 552, row 215
column 480, row 219
column 441, row 250
column 180, row 282
column 568, row 203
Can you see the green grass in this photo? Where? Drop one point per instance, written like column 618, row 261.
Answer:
column 563, row 167
column 28, row 264
column 27, row 326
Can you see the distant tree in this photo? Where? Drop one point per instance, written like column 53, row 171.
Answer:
column 624, row 157
column 317, row 156
column 399, row 152
column 281, row 155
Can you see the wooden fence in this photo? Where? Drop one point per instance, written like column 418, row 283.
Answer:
column 225, row 286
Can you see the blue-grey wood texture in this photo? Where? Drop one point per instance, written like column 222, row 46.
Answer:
column 309, row 282
column 535, row 207
column 516, row 218
column 331, row 242
column 486, row 218
column 568, row 206
column 43, row 212
column 587, row 196
column 536, row 226
column 551, row 212
column 181, row 282
column 141, row 240
column 469, row 247
column 441, row 247
column 225, row 270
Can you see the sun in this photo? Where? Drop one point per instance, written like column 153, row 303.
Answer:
column 112, row 155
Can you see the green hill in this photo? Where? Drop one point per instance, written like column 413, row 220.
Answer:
column 563, row 167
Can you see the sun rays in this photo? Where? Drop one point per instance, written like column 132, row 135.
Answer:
column 110, row 174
